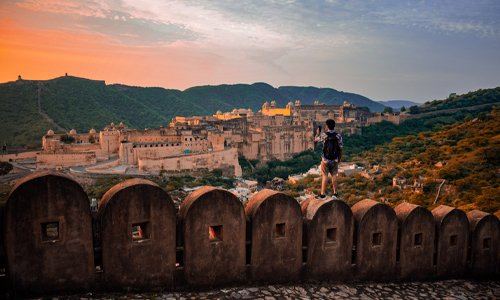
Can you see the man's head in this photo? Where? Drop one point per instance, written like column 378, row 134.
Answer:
column 330, row 124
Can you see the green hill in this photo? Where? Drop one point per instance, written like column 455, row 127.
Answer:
column 328, row 96
column 466, row 155
column 33, row 107
column 376, row 135
column 20, row 120
column 30, row 108
column 226, row 97
column 479, row 97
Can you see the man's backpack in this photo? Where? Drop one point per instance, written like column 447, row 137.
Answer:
column 331, row 148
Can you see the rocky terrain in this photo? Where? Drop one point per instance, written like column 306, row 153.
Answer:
column 449, row 289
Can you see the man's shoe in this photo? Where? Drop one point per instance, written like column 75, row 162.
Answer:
column 321, row 196
column 336, row 196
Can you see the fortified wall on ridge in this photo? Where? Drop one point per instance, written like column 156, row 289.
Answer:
column 138, row 241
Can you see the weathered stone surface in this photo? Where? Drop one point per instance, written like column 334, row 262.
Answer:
column 484, row 234
column 330, row 226
column 416, row 241
column 137, row 235
column 213, row 223
column 49, row 243
column 452, row 230
column 48, row 235
column 276, row 236
column 376, row 232
column 451, row 289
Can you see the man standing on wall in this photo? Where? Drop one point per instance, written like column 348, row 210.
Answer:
column 330, row 156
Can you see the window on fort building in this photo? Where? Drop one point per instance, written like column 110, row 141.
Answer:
column 417, row 239
column 376, row 239
column 331, row 235
column 50, row 231
column 215, row 233
column 140, row 231
column 487, row 243
column 280, row 230
column 453, row 240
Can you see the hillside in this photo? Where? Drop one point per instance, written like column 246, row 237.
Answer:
column 328, row 95
column 465, row 155
column 397, row 104
column 21, row 121
column 479, row 97
column 227, row 97
column 379, row 134
column 33, row 107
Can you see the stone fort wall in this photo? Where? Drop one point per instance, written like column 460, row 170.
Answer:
column 137, row 240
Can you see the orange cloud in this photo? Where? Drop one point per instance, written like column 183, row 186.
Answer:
column 42, row 54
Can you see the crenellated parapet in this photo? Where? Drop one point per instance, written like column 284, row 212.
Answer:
column 138, row 241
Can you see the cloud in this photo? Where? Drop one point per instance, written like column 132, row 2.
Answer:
column 279, row 24
column 213, row 26
column 103, row 18
column 382, row 45
column 83, row 8
column 480, row 18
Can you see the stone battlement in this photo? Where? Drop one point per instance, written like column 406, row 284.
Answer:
column 138, row 241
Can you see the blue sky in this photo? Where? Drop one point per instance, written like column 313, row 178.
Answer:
column 416, row 50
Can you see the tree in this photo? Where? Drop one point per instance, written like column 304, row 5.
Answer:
column 217, row 172
column 5, row 168
column 67, row 139
column 414, row 109
column 402, row 109
column 388, row 109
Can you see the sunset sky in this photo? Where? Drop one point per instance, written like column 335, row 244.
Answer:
column 415, row 50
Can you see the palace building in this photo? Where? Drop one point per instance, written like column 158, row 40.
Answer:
column 200, row 142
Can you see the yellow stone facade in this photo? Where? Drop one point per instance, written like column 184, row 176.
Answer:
column 271, row 133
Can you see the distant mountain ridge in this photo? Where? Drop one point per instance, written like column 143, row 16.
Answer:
column 397, row 104
column 33, row 107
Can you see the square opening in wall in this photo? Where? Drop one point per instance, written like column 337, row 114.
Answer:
column 280, row 230
column 453, row 240
column 417, row 239
column 215, row 233
column 377, row 239
column 487, row 243
column 50, row 231
column 140, row 231
column 331, row 235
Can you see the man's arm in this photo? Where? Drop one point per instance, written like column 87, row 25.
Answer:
column 340, row 155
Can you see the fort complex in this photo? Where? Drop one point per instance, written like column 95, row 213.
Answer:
column 202, row 142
